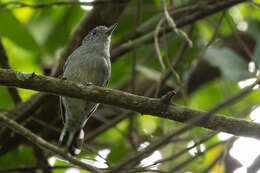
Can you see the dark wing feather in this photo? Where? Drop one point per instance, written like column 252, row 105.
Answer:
column 62, row 111
column 90, row 113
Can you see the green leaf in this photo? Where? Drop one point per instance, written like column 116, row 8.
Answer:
column 61, row 31
column 118, row 151
column 257, row 53
column 148, row 72
column 6, row 101
column 231, row 65
column 121, row 71
column 23, row 155
column 253, row 30
column 207, row 97
column 11, row 28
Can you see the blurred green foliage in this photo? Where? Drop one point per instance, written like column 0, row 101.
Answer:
column 34, row 37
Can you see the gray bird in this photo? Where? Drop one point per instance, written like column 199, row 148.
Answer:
column 88, row 64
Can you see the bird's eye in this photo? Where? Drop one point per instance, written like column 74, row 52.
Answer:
column 94, row 32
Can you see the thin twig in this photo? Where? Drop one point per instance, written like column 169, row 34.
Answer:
column 18, row 4
column 22, row 111
column 4, row 63
column 137, row 22
column 89, row 148
column 187, row 161
column 106, row 121
column 156, row 44
column 174, row 64
column 143, row 170
column 129, row 101
column 184, row 15
column 32, row 168
column 40, row 142
column 144, row 105
column 45, row 124
column 213, row 38
column 171, row 22
column 90, row 136
column 180, row 153
column 174, row 73
column 244, row 46
column 200, row 119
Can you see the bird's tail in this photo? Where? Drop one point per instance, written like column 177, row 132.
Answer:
column 72, row 141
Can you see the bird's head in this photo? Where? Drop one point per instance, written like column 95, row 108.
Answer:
column 100, row 34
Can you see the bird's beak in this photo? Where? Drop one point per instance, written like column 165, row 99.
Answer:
column 111, row 29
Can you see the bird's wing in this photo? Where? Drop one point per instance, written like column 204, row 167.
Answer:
column 76, row 53
column 62, row 110
column 90, row 113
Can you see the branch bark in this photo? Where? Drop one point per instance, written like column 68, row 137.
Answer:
column 144, row 105
column 183, row 15
column 4, row 63
column 44, row 144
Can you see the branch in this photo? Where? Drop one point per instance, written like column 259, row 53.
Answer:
column 18, row 4
column 23, row 169
column 97, row 16
column 189, row 160
column 4, row 63
column 22, row 112
column 43, row 144
column 172, row 24
column 144, row 105
column 183, row 15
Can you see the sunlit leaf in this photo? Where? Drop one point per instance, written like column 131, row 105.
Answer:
column 17, row 32
column 118, row 151
column 23, row 155
column 6, row 101
column 61, row 31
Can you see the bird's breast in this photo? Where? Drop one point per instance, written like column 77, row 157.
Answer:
column 90, row 69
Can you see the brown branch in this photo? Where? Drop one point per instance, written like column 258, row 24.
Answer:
column 18, row 4
column 132, row 102
column 243, row 45
column 42, row 143
column 188, row 161
column 22, row 112
column 179, row 56
column 26, row 169
column 135, row 158
column 144, row 105
column 180, row 153
column 91, row 135
column 183, row 16
column 97, row 16
column 4, row 63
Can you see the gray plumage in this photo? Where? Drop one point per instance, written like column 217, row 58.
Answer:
column 88, row 64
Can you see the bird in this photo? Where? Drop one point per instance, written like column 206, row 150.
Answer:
column 88, row 65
